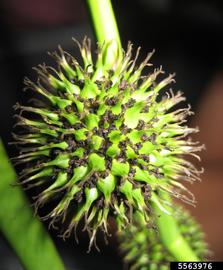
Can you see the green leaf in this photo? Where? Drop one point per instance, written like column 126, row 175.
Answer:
column 24, row 232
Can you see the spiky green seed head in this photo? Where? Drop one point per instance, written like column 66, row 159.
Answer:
column 143, row 249
column 101, row 142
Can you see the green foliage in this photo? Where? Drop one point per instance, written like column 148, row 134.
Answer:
column 24, row 232
column 101, row 142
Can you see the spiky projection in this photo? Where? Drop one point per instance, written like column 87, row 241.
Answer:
column 143, row 249
column 101, row 142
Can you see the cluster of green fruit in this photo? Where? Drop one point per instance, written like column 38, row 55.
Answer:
column 100, row 142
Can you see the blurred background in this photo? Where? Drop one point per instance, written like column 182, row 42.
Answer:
column 187, row 37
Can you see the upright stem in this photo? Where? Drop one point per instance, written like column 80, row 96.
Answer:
column 106, row 31
column 104, row 21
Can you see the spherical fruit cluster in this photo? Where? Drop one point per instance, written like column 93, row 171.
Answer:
column 144, row 250
column 101, row 142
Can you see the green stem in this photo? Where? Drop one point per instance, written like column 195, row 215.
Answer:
column 106, row 30
column 24, row 232
column 170, row 234
column 104, row 21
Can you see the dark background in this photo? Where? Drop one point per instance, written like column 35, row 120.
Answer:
column 187, row 37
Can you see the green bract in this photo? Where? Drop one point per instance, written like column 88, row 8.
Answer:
column 102, row 142
column 143, row 249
